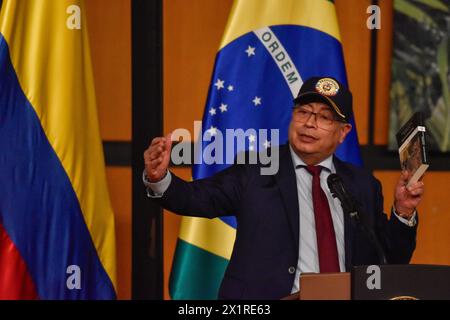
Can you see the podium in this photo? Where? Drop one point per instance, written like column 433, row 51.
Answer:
column 384, row 282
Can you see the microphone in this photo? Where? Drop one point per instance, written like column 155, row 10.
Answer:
column 337, row 189
column 349, row 206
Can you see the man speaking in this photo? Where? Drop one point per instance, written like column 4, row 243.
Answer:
column 289, row 223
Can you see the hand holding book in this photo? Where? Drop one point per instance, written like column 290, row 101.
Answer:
column 412, row 148
column 414, row 163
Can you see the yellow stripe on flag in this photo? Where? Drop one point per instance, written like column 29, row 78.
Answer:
column 249, row 15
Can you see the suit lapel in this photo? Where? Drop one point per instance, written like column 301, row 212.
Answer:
column 287, row 183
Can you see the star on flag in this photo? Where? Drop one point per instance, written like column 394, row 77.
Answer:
column 223, row 107
column 257, row 101
column 250, row 51
column 212, row 131
column 219, row 84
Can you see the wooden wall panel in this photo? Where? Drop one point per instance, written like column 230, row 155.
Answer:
column 192, row 33
column 109, row 24
column 383, row 73
column 433, row 240
column 355, row 37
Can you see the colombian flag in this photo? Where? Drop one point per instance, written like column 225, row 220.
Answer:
column 268, row 48
column 56, row 223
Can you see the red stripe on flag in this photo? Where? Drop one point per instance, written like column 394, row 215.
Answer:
column 15, row 281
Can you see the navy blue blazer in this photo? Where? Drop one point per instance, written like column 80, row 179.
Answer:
column 267, row 213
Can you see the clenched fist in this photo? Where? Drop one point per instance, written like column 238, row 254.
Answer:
column 157, row 158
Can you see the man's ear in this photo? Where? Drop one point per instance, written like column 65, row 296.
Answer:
column 344, row 131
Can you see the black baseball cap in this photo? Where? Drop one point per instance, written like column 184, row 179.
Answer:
column 330, row 91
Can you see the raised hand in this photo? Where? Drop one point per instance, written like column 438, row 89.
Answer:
column 157, row 158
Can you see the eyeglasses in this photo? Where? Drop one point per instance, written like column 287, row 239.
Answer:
column 324, row 119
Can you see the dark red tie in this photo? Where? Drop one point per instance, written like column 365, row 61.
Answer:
column 326, row 238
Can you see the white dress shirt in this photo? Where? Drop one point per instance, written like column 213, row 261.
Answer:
column 308, row 258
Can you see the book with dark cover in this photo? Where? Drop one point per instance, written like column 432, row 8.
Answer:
column 412, row 147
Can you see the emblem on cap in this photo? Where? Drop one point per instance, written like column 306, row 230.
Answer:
column 327, row 87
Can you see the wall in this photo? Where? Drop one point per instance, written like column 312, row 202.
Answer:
column 109, row 24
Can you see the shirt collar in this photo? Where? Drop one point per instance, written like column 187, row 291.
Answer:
column 326, row 163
